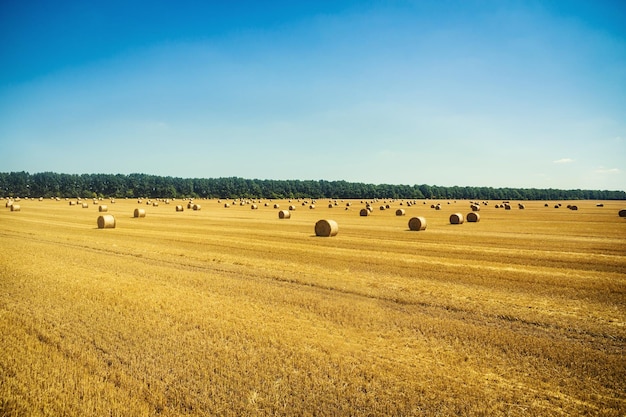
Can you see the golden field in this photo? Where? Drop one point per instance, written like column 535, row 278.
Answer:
column 235, row 312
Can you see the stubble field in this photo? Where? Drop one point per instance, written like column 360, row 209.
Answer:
column 235, row 312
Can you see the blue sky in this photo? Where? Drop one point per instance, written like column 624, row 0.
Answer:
column 469, row 93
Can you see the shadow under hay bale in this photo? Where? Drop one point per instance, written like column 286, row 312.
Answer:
column 326, row 228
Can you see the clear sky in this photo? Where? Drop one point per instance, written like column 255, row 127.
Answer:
column 468, row 93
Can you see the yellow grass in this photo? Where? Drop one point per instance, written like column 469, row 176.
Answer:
column 235, row 312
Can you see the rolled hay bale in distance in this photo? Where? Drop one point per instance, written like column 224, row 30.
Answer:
column 196, row 207
column 16, row 207
column 85, row 205
column 284, row 214
column 139, row 213
column 400, row 212
column 180, row 208
column 521, row 206
column 106, row 221
column 312, row 207
column 276, row 206
column 622, row 213
column 364, row 212
column 417, row 223
column 473, row 217
column 155, row 204
column 292, row 207
column 326, row 228
column 475, row 207
column 456, row 218
column 254, row 207
column 103, row 208
column 573, row 207
column 226, row 205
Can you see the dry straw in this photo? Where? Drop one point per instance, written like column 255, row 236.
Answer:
column 473, row 217
column 326, row 228
column 106, row 221
column 456, row 218
column 139, row 213
column 417, row 223
column 284, row 214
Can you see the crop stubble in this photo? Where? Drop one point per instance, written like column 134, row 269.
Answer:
column 235, row 312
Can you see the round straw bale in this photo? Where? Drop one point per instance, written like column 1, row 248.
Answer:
column 139, row 213
column 475, row 207
column 276, row 205
column 417, row 223
column 326, row 228
column 226, row 205
column 155, row 204
column 382, row 208
column 473, row 217
column 456, row 218
column 622, row 213
column 573, row 207
column 364, row 212
column 15, row 207
column 103, row 208
column 292, row 207
column 197, row 207
column 284, row 214
column 72, row 203
column 312, row 206
column 507, row 206
column 400, row 212
column 85, row 205
column 521, row 206
column 106, row 221
column 253, row 206
column 330, row 205
column 180, row 208
column 9, row 203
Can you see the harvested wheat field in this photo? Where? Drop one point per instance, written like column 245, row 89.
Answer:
column 234, row 312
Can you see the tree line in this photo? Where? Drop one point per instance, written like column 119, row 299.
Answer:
column 51, row 184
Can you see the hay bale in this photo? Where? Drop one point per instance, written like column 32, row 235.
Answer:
column 364, row 212
column 312, row 207
column 521, row 206
column 139, row 213
column 226, row 205
column 85, row 205
column 155, row 204
column 326, row 228
column 103, row 208
column 417, row 223
column 106, row 221
column 72, row 203
column 254, row 207
column 276, row 206
column 400, row 212
column 456, row 218
column 292, row 207
column 599, row 205
column 475, row 207
column 180, row 208
column 573, row 207
column 473, row 217
column 622, row 213
column 284, row 214
column 196, row 207
column 330, row 205
column 16, row 207
column 507, row 206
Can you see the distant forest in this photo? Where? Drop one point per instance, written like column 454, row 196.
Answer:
column 50, row 184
